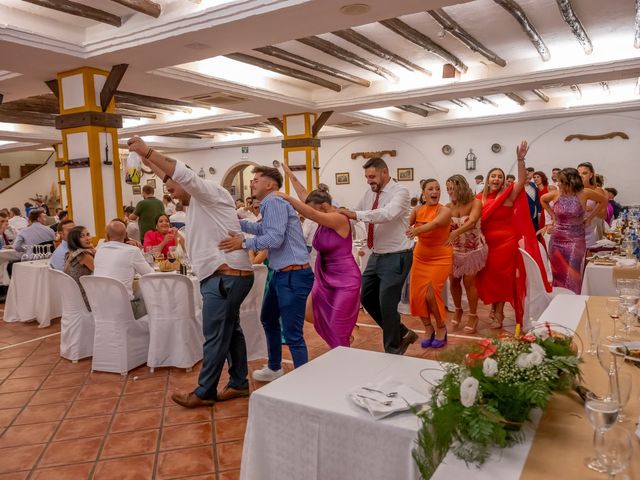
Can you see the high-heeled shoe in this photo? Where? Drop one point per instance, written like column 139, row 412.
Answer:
column 471, row 327
column 427, row 342
column 497, row 321
column 440, row 343
column 456, row 321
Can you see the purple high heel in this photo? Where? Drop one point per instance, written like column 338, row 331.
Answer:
column 427, row 342
column 439, row 343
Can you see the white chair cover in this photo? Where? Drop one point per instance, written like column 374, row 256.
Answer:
column 121, row 342
column 76, row 326
column 537, row 299
column 545, row 262
column 175, row 333
column 250, row 316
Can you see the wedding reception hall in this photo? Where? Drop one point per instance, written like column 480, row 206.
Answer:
column 319, row 239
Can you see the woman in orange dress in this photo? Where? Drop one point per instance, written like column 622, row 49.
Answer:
column 432, row 262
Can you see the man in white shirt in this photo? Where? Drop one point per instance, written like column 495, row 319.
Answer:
column 386, row 209
column 16, row 221
column 225, row 278
column 178, row 219
column 121, row 261
column 479, row 184
column 57, row 259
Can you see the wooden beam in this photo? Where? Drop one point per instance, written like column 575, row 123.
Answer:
column 152, row 102
column 111, row 84
column 300, row 142
column 184, row 135
column 516, row 98
column 412, row 109
column 85, row 119
column 451, row 26
column 276, row 122
column 437, row 108
column 129, row 113
column 283, row 70
column 636, row 41
column 53, row 86
column 313, row 65
column 359, row 40
column 143, row 6
column 1, row 98
column 28, row 118
column 518, row 13
column 347, row 56
column 566, row 9
column 541, row 95
column 144, row 109
column 39, row 104
column 79, row 10
column 459, row 103
column 576, row 91
column 398, row 26
column 319, row 123
column 485, row 100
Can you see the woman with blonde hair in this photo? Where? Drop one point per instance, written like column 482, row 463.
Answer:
column 469, row 248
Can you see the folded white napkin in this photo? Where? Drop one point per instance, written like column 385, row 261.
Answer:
column 405, row 398
column 605, row 242
column 626, row 262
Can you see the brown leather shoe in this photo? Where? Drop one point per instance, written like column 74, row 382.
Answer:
column 408, row 338
column 229, row 392
column 191, row 400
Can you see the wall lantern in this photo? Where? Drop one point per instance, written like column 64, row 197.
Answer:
column 470, row 160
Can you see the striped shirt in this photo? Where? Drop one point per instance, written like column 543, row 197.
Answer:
column 280, row 232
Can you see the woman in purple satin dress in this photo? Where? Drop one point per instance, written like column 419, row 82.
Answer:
column 567, row 245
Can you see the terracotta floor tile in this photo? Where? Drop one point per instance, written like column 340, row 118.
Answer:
column 22, row 352
column 130, row 443
column 54, row 395
column 73, row 428
column 101, row 390
column 21, row 384
column 104, row 377
column 64, row 380
column 5, row 372
column 14, row 476
column 145, row 372
column 128, row 468
column 189, row 435
column 7, row 415
column 229, row 455
column 230, row 475
column 67, row 472
column 228, row 429
column 48, row 359
column 92, row 407
column 35, row 371
column 141, row 401
column 14, row 459
column 232, row 408
column 28, row 434
column 136, row 420
column 10, row 362
column 177, row 415
column 190, row 461
column 42, row 413
column 145, row 385
column 71, row 451
column 211, row 476
column 17, row 399
column 67, row 366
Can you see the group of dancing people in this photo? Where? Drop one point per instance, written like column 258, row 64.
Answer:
column 473, row 241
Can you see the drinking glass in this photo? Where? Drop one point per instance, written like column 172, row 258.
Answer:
column 171, row 254
column 621, row 390
column 613, row 309
column 593, row 335
column 602, row 414
column 148, row 255
column 614, row 451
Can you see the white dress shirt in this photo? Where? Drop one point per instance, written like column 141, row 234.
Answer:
column 120, row 261
column 210, row 217
column 390, row 219
column 170, row 208
column 18, row 223
column 479, row 188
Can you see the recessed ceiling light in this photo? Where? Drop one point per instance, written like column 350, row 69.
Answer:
column 355, row 9
column 197, row 46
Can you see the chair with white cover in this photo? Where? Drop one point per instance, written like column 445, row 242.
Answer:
column 545, row 262
column 537, row 298
column 77, row 326
column 250, row 316
column 121, row 342
column 175, row 333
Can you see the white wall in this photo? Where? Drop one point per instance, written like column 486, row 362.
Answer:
column 14, row 159
column 616, row 159
column 39, row 182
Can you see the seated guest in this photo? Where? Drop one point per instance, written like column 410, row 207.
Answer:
column 16, row 221
column 4, row 227
column 169, row 206
column 78, row 260
column 133, row 230
column 120, row 261
column 162, row 237
column 179, row 218
column 57, row 259
column 62, row 214
column 37, row 233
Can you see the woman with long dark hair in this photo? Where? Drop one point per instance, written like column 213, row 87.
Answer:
column 78, row 261
column 595, row 230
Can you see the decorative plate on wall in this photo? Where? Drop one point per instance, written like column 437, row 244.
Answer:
column 495, row 148
column 212, row 170
column 446, row 149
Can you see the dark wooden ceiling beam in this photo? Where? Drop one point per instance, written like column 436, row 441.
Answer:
column 347, row 56
column 111, row 85
column 437, row 108
column 53, row 86
column 1, row 98
column 28, row 118
column 451, row 26
column 359, row 40
column 485, row 100
column 126, row 112
column 516, row 98
column 398, row 26
column 541, row 95
column 79, row 10
column 143, row 109
column 39, row 104
column 413, row 109
column 459, row 103
column 319, row 123
column 517, row 12
column 184, row 135
column 137, row 97
column 313, row 65
column 283, row 70
column 570, row 17
column 276, row 122
column 143, row 6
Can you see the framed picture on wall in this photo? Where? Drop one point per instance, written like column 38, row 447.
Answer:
column 136, row 189
column 164, row 189
column 405, row 174
column 342, row 178
column 152, row 182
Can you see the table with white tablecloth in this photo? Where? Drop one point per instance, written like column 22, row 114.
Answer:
column 598, row 280
column 7, row 255
column 32, row 295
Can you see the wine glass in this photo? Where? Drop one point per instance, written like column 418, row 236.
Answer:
column 602, row 414
column 613, row 309
column 593, row 335
column 621, row 389
column 614, row 451
column 148, row 255
column 28, row 253
column 171, row 254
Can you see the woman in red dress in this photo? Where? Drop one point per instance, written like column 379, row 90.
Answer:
column 162, row 237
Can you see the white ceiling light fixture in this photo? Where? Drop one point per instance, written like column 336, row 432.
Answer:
column 353, row 9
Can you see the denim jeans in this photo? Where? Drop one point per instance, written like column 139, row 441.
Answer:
column 223, row 338
column 286, row 298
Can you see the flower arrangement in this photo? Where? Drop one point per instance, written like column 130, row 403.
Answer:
column 484, row 400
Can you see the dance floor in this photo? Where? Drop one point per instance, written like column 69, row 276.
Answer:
column 59, row 421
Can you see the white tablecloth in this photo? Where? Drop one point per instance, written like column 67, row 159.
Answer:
column 598, row 280
column 31, row 294
column 6, row 256
column 565, row 310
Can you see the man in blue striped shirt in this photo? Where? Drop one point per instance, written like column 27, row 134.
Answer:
column 280, row 232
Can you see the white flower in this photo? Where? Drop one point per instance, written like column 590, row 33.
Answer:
column 535, row 348
column 524, row 360
column 536, row 358
column 468, row 391
column 489, row 367
column 441, row 399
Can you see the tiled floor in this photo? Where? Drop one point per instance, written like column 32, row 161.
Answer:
column 60, row 421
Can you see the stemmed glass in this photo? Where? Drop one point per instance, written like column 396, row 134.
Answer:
column 613, row 309
column 614, row 451
column 28, row 253
column 629, row 294
column 602, row 414
column 593, row 334
column 620, row 382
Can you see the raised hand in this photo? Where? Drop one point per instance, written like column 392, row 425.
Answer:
column 522, row 149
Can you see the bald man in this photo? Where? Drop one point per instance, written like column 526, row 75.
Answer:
column 119, row 260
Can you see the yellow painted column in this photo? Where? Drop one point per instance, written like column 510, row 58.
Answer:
column 301, row 148
column 90, row 164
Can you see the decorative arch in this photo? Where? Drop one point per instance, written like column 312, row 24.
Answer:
column 230, row 174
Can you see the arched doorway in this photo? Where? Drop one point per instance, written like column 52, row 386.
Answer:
column 236, row 179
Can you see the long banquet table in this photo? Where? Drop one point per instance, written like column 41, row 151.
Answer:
column 601, row 279
column 303, row 425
